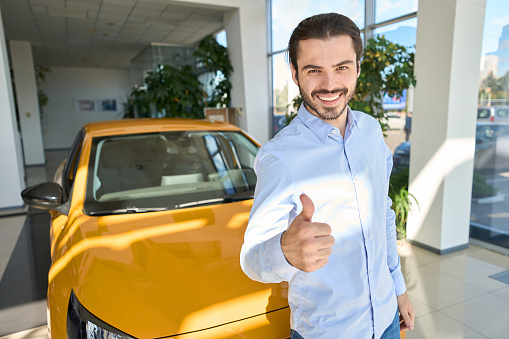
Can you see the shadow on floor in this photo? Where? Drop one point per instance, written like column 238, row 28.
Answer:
column 25, row 281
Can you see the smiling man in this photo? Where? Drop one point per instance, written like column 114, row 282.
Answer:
column 321, row 217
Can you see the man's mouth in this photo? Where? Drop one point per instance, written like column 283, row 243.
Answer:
column 329, row 99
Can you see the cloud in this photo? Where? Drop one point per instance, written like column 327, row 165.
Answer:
column 501, row 21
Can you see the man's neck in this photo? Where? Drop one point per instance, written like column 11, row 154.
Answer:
column 339, row 122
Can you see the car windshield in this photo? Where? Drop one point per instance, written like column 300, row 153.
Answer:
column 160, row 171
column 483, row 113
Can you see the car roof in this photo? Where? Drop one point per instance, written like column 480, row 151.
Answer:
column 148, row 125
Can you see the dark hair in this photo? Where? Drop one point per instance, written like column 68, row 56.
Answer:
column 324, row 26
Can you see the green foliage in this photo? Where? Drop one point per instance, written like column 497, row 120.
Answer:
column 215, row 58
column 296, row 102
column 401, row 201
column 496, row 87
column 480, row 188
column 176, row 92
column 40, row 77
column 385, row 68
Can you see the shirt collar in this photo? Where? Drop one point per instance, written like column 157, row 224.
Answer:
column 321, row 128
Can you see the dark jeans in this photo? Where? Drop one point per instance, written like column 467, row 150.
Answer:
column 391, row 332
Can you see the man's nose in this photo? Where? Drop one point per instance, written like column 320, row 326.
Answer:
column 329, row 81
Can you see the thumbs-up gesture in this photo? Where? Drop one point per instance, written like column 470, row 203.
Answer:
column 306, row 244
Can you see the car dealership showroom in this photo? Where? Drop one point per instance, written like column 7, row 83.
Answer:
column 129, row 133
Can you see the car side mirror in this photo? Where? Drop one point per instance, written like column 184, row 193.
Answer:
column 47, row 196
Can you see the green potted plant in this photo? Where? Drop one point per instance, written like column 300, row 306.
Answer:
column 401, row 201
column 386, row 67
column 175, row 91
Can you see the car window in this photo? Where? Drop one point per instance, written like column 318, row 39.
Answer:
column 71, row 165
column 169, row 170
column 483, row 113
column 503, row 112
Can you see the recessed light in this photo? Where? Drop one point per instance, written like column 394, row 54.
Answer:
column 110, row 23
column 93, row 31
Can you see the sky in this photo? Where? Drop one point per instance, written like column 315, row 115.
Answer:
column 286, row 14
column 497, row 16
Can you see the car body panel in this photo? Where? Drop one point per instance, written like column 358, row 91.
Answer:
column 159, row 274
column 493, row 114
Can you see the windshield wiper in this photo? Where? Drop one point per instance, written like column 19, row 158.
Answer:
column 129, row 210
column 226, row 199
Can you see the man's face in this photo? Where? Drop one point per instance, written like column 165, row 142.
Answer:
column 327, row 75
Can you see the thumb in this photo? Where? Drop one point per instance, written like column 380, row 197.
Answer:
column 308, row 208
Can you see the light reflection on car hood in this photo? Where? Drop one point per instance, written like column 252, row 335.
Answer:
column 163, row 273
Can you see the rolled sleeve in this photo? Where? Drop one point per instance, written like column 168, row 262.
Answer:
column 261, row 257
column 393, row 260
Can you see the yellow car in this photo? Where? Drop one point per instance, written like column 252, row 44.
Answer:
column 148, row 218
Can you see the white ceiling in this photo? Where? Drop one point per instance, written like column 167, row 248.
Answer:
column 103, row 33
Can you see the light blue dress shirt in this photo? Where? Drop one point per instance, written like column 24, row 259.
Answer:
column 354, row 294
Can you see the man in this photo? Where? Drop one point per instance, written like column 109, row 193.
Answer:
column 321, row 218
column 408, row 125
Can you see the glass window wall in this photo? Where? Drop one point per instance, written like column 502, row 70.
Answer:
column 402, row 33
column 286, row 15
column 489, row 218
column 390, row 9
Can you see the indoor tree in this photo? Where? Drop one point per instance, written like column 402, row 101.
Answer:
column 386, row 67
column 175, row 91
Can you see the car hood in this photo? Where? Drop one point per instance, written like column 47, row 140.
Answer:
column 166, row 273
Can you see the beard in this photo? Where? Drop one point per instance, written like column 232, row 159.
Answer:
column 327, row 113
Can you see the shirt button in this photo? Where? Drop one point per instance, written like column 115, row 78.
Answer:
column 370, row 272
column 333, row 131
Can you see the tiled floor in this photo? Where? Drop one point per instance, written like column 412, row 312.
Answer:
column 453, row 294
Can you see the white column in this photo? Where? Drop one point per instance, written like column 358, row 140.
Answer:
column 234, row 41
column 12, row 172
column 28, row 104
column 448, row 52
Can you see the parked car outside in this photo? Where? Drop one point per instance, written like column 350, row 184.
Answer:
column 493, row 114
column 491, row 148
column 147, row 222
column 395, row 121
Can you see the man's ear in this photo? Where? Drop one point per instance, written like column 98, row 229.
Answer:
column 295, row 77
column 358, row 69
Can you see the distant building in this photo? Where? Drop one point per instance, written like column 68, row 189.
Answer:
column 503, row 52
column 490, row 65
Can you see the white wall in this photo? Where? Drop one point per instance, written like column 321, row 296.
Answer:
column 63, row 85
column 12, row 171
column 28, row 104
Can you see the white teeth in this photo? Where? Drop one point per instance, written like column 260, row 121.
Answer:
column 329, row 99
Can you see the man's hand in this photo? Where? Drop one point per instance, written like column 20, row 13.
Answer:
column 306, row 244
column 406, row 313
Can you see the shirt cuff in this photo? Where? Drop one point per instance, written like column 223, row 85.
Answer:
column 276, row 258
column 399, row 283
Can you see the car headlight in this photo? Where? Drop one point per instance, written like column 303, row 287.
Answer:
column 81, row 324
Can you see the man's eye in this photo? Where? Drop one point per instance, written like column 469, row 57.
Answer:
column 313, row 71
column 342, row 68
